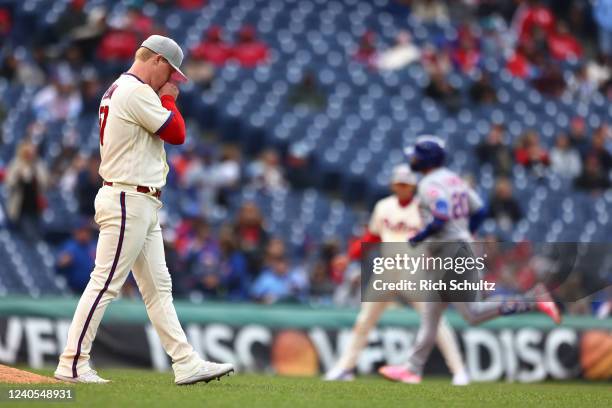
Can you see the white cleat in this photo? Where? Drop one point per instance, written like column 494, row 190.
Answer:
column 90, row 377
column 339, row 374
column 208, row 371
column 461, row 378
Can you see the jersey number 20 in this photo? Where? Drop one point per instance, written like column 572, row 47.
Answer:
column 102, row 118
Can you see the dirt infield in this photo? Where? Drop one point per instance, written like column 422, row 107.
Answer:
column 12, row 375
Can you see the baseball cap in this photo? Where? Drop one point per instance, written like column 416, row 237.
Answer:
column 403, row 174
column 167, row 48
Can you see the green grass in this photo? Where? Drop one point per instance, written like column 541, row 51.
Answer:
column 134, row 388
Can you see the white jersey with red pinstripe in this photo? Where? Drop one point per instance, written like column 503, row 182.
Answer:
column 130, row 237
column 394, row 222
column 131, row 116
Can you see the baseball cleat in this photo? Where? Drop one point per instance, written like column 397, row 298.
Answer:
column 461, row 378
column 208, row 371
column 90, row 377
column 546, row 304
column 339, row 374
column 400, row 374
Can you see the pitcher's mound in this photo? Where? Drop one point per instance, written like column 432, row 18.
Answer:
column 12, row 375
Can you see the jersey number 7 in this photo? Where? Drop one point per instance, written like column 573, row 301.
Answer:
column 102, row 118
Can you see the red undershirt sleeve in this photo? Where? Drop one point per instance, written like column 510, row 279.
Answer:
column 354, row 250
column 173, row 130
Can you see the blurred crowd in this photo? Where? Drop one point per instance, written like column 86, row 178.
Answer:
column 578, row 157
column 563, row 48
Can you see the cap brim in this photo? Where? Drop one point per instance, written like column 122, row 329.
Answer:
column 178, row 75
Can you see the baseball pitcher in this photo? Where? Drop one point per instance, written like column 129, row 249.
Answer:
column 137, row 115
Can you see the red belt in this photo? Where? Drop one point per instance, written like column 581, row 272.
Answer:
column 155, row 192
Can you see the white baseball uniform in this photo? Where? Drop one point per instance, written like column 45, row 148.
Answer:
column 396, row 223
column 130, row 238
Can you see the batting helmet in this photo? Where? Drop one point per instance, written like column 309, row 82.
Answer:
column 427, row 153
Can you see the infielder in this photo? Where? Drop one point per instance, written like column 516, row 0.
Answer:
column 137, row 115
column 453, row 212
column 395, row 219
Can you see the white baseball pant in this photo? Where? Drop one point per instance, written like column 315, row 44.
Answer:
column 130, row 239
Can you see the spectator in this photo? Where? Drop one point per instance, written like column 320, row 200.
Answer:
column 598, row 69
column 226, row 174
column 59, row 100
column 579, row 85
column 299, row 174
column 73, row 17
column 88, row 184
column 519, row 64
column 466, row 54
column 213, row 50
column 563, row 45
column 495, row 38
column 235, row 276
column 307, row 93
column 578, row 135
column 87, row 37
column 443, row 92
column 536, row 43
column 21, row 71
column 118, row 44
column 279, row 282
column 182, row 160
column 249, row 51
column 503, row 206
column 26, row 180
column 436, row 61
column 322, row 282
column 91, row 91
column 530, row 15
column 348, row 293
column 599, row 150
column 266, row 173
column 593, row 179
column 495, row 151
column 251, row 236
column 77, row 257
column 66, row 168
column 5, row 22
column 602, row 12
column 73, row 57
column 366, row 52
column 402, row 54
column 321, row 287
column 530, row 153
column 482, row 91
column 203, row 259
column 564, row 159
column 606, row 89
column 430, row 11
column 550, row 80
column 140, row 24
column 197, row 177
